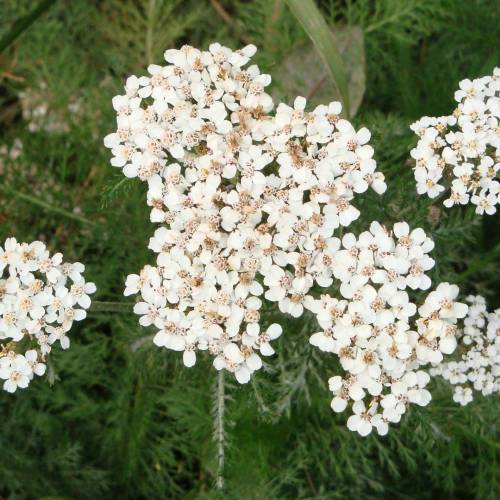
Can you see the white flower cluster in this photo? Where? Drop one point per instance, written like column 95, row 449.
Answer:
column 371, row 329
column 40, row 297
column 479, row 366
column 249, row 200
column 463, row 147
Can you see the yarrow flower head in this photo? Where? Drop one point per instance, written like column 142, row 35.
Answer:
column 380, row 336
column 40, row 297
column 248, row 200
column 459, row 153
column 478, row 370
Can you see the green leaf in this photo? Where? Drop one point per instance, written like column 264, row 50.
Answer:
column 313, row 22
column 23, row 23
column 303, row 72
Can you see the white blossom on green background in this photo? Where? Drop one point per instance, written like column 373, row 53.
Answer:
column 249, row 201
column 463, row 147
column 40, row 298
column 478, row 369
column 380, row 334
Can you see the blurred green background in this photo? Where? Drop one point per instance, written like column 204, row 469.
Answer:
column 125, row 419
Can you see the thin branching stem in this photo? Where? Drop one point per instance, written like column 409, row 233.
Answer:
column 151, row 10
column 219, row 428
column 226, row 17
column 121, row 307
column 47, row 206
column 138, row 344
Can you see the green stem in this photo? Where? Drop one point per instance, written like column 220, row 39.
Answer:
column 47, row 206
column 122, row 307
column 313, row 22
column 141, row 342
column 219, row 429
column 150, row 29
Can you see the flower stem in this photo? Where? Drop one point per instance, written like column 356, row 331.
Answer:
column 122, row 307
column 47, row 206
column 226, row 17
column 219, row 429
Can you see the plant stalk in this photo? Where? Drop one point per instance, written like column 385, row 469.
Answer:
column 122, row 307
column 47, row 206
column 219, row 429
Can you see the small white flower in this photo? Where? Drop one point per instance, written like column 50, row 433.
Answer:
column 15, row 370
column 462, row 147
column 478, row 369
column 248, row 210
column 378, row 342
column 39, row 299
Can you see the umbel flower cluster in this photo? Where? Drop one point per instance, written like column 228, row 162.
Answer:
column 248, row 200
column 460, row 153
column 40, row 297
column 479, row 367
column 381, row 337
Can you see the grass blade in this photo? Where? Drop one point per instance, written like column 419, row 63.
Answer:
column 47, row 206
column 313, row 22
column 23, row 23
